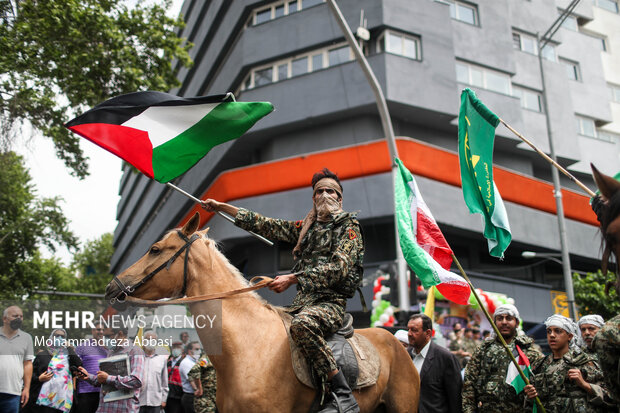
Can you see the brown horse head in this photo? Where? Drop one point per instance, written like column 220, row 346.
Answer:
column 609, row 217
column 166, row 259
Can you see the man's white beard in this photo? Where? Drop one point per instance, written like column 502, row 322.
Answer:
column 325, row 206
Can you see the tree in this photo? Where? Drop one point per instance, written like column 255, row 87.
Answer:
column 93, row 265
column 26, row 224
column 60, row 57
column 590, row 294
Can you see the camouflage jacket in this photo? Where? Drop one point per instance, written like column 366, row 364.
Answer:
column 607, row 346
column 485, row 377
column 330, row 267
column 204, row 371
column 559, row 394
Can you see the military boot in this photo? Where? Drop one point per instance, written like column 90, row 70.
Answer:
column 342, row 400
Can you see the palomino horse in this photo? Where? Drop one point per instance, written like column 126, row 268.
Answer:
column 254, row 369
column 609, row 217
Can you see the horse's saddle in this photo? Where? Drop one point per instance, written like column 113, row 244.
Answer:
column 355, row 356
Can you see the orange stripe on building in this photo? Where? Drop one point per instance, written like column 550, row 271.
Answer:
column 371, row 159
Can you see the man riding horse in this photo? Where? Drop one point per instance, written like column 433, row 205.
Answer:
column 328, row 254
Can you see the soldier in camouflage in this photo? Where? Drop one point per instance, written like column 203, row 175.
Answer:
column 484, row 387
column 204, row 378
column 568, row 380
column 328, row 254
column 607, row 346
column 589, row 325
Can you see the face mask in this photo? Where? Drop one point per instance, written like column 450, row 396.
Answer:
column 150, row 349
column 111, row 343
column 195, row 353
column 15, row 324
column 176, row 352
column 59, row 341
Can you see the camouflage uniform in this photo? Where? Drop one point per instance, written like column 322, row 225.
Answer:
column 485, row 377
column 607, row 346
column 328, row 271
column 559, row 394
column 204, row 371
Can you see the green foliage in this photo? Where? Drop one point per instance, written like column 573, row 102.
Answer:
column 93, row 265
column 60, row 57
column 27, row 223
column 590, row 294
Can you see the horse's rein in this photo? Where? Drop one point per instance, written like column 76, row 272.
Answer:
column 264, row 281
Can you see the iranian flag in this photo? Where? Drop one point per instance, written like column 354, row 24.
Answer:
column 425, row 249
column 163, row 135
column 513, row 377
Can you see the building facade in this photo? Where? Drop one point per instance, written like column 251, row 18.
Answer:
column 423, row 52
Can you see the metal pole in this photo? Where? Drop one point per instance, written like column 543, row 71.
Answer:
column 388, row 130
column 557, row 193
column 226, row 217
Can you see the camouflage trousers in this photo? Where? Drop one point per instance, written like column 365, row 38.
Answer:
column 309, row 327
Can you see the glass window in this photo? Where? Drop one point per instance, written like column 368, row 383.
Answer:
column 292, row 6
column 607, row 136
column 586, row 127
column 263, row 16
column 570, row 23
column 516, row 41
column 299, row 66
column 410, row 48
column 462, row 73
column 393, row 43
column 572, row 69
column 317, row 62
column 283, row 71
column 610, row 5
column 615, row 93
column 309, row 3
column 467, row 13
column 548, row 52
column 498, row 83
column 476, row 77
column 529, row 99
column 279, row 11
column 338, row 56
column 263, row 77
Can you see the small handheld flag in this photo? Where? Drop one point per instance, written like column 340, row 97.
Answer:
column 163, row 135
column 424, row 247
column 513, row 377
column 476, row 137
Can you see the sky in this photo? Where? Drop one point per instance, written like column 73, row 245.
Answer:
column 90, row 204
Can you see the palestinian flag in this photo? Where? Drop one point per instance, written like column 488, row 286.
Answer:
column 513, row 377
column 424, row 247
column 163, row 135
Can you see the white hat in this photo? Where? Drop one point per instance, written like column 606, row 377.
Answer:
column 402, row 336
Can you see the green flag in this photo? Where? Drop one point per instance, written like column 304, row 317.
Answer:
column 476, row 137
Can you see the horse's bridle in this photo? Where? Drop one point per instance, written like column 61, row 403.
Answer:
column 126, row 291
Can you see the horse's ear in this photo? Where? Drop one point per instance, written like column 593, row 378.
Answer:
column 606, row 184
column 192, row 225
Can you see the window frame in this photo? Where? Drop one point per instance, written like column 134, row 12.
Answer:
column 249, row 81
column 615, row 92
column 576, row 68
column 272, row 7
column 455, row 16
column 484, row 71
column 381, row 48
column 617, row 8
column 524, row 90
column 581, row 131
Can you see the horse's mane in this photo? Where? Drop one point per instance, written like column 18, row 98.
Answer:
column 608, row 215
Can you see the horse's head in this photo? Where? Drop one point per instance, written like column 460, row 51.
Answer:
column 609, row 217
column 163, row 271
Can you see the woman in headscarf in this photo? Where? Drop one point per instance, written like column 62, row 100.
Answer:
column 568, row 380
column 52, row 386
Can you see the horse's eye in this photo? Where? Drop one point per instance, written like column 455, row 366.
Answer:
column 154, row 250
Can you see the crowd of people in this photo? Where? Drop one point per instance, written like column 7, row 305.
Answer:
column 61, row 378
column 474, row 375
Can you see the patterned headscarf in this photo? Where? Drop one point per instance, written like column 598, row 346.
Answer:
column 565, row 324
column 507, row 309
column 334, row 206
column 594, row 319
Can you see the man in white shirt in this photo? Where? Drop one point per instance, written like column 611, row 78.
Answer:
column 193, row 354
column 154, row 392
column 16, row 355
column 440, row 376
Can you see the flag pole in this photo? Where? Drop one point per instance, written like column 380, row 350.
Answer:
column 226, row 217
column 549, row 159
column 495, row 329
